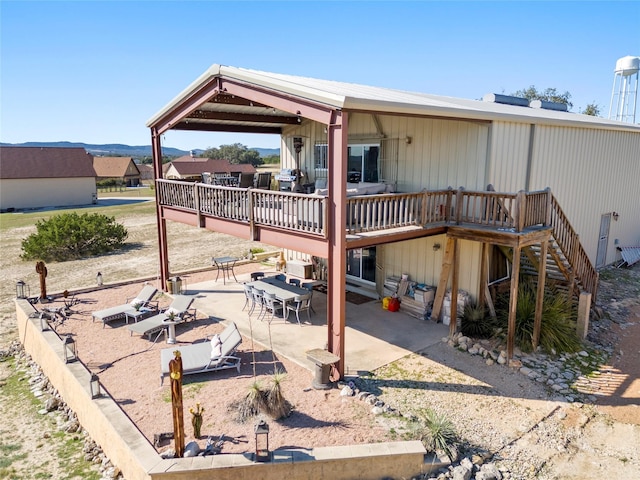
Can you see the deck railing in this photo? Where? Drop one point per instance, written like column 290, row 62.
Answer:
column 366, row 213
column 569, row 243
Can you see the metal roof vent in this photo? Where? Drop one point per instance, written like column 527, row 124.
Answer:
column 506, row 99
column 560, row 107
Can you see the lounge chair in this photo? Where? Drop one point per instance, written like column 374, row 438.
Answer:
column 179, row 311
column 120, row 311
column 196, row 358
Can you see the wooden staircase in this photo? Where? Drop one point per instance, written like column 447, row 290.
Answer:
column 566, row 263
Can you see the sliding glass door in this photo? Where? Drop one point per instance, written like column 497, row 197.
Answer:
column 361, row 264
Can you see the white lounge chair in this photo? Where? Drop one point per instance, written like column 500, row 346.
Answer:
column 197, row 358
column 179, row 311
column 143, row 299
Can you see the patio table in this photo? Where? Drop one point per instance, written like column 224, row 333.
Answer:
column 283, row 291
column 225, row 264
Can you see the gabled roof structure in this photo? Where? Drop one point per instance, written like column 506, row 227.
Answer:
column 45, row 162
column 228, row 112
column 107, row 167
column 193, row 166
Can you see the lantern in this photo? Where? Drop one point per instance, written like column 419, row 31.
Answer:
column 69, row 349
column 44, row 321
column 22, row 289
column 99, row 279
column 262, row 442
column 94, row 386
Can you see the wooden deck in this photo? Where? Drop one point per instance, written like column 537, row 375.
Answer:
column 300, row 221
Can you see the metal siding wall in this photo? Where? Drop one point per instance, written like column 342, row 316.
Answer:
column 591, row 172
column 46, row 192
column 508, row 157
column 417, row 259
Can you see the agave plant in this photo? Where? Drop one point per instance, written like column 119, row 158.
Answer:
column 475, row 321
column 276, row 405
column 436, row 432
column 558, row 325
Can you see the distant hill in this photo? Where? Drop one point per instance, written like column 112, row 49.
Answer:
column 117, row 149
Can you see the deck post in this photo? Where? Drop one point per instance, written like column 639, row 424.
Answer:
column 513, row 302
column 453, row 323
column 542, row 272
column 447, row 260
column 156, row 151
column 337, row 256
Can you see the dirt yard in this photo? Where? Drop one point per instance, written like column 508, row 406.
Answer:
column 496, row 410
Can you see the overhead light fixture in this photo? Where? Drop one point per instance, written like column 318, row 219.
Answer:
column 299, row 117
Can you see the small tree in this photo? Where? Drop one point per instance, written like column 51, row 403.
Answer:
column 69, row 236
column 548, row 95
column 592, row 109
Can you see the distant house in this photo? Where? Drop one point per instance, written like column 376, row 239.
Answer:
column 34, row 177
column 146, row 173
column 191, row 168
column 121, row 169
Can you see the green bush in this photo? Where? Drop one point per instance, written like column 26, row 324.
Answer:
column 70, row 236
column 558, row 326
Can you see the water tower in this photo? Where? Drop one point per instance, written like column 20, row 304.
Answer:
column 624, row 94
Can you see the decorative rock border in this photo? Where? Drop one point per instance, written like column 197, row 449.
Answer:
column 53, row 404
column 575, row 376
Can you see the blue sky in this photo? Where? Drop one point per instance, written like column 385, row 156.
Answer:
column 95, row 72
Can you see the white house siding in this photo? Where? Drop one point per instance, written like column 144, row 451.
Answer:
column 509, row 148
column 418, row 259
column 591, row 173
column 46, row 192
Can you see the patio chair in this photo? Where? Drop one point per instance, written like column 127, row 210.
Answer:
column 281, row 277
column 300, row 304
column 271, row 305
column 256, row 276
column 199, row 358
column 258, row 299
column 294, row 281
column 246, row 180
column 309, row 286
column 263, row 180
column 120, row 312
column 249, row 300
column 179, row 311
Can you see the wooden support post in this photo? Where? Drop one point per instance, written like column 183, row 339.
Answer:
column 542, row 273
column 447, row 260
column 513, row 302
column 337, row 259
column 584, row 307
column 453, row 323
column 484, row 273
column 485, row 294
column 156, row 150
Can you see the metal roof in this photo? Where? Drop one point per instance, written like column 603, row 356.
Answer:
column 230, row 113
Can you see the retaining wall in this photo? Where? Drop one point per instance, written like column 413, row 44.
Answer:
column 129, row 450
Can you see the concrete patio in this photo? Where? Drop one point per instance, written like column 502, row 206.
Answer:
column 373, row 337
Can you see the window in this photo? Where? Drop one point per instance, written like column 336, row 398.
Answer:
column 362, row 161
